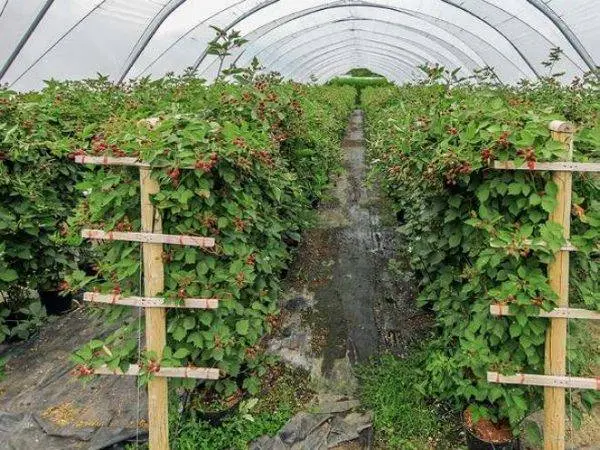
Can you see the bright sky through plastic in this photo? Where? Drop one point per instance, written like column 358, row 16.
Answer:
column 74, row 39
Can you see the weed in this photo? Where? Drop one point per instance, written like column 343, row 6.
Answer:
column 402, row 417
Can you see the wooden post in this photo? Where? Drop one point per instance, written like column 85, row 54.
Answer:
column 558, row 274
column 156, row 323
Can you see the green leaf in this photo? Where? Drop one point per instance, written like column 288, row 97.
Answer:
column 94, row 344
column 533, row 433
column 179, row 333
column 242, row 327
column 535, row 216
column 189, row 322
column 181, row 353
column 454, row 240
column 535, row 199
column 206, row 318
column 483, row 193
column 549, row 203
column 515, row 330
column 218, row 354
column 515, row 188
column 8, row 275
column 222, row 223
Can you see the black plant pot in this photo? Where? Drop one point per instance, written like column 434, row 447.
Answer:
column 216, row 418
column 474, row 443
column 55, row 303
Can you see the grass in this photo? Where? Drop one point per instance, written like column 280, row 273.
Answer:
column 234, row 433
column 257, row 417
column 402, row 417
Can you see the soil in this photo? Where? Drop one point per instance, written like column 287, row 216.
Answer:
column 488, row 431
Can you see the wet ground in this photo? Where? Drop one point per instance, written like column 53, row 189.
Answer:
column 343, row 303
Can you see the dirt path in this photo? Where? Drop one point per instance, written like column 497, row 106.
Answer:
column 343, row 304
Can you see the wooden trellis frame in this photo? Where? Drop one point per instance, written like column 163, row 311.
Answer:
column 155, row 307
column 555, row 380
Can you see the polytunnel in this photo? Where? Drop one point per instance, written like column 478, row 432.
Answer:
column 75, row 39
column 299, row 224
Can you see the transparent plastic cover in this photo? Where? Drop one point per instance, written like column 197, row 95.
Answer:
column 301, row 39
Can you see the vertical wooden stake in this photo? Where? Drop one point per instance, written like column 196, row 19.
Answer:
column 558, row 274
column 156, row 323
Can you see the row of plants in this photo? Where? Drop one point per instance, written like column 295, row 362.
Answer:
column 261, row 155
column 359, row 83
column 37, row 187
column 479, row 236
column 262, row 151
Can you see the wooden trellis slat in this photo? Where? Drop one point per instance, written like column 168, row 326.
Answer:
column 149, row 238
column 553, row 381
column 568, row 247
column 151, row 302
column 200, row 373
column 111, row 161
column 549, row 166
column 119, row 161
column 501, row 310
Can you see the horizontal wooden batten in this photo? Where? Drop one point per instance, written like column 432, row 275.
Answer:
column 150, row 302
column 565, row 248
column 120, row 161
column 557, row 381
column 150, row 238
column 199, row 373
column 557, row 313
column 110, row 161
column 549, row 166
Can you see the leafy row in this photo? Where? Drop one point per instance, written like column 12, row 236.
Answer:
column 478, row 236
column 261, row 156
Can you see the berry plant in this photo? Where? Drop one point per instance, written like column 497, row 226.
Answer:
column 261, row 154
column 479, row 236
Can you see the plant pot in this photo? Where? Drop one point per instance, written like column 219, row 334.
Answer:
column 497, row 436
column 216, row 418
column 55, row 303
column 475, row 443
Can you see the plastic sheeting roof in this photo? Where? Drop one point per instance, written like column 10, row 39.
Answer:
column 73, row 39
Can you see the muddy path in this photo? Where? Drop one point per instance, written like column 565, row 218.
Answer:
column 343, row 305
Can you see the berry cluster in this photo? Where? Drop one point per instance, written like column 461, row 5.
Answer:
column 239, row 224
column 264, row 157
column 82, row 370
column 207, row 166
column 529, row 155
column 456, row 169
column 487, row 155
